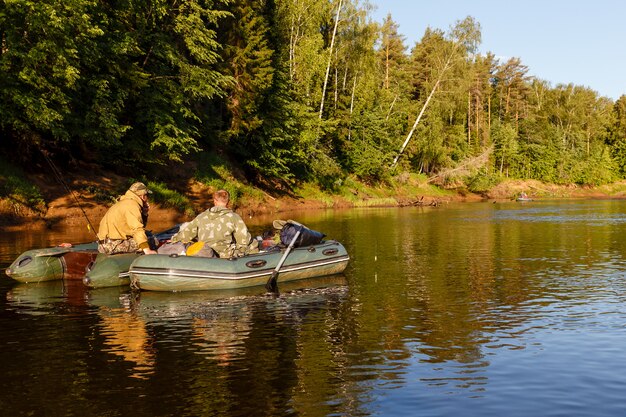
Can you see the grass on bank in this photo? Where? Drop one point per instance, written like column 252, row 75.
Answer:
column 18, row 191
column 211, row 172
column 358, row 194
column 161, row 193
column 167, row 197
column 218, row 174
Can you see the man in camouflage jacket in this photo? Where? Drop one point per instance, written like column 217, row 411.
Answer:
column 220, row 228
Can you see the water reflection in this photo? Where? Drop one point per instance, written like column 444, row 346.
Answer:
column 33, row 299
column 126, row 335
column 222, row 332
column 447, row 311
column 245, row 344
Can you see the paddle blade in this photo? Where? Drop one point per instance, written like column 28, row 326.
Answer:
column 271, row 285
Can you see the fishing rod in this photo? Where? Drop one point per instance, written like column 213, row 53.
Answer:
column 59, row 178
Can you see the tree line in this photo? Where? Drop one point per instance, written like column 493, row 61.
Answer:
column 291, row 89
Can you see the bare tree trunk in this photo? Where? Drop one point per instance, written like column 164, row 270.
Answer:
column 387, row 67
column 297, row 21
column 478, row 117
column 330, row 58
column 489, row 117
column 292, row 44
column 444, row 69
column 352, row 96
column 419, row 116
column 336, row 86
column 351, row 107
column 469, row 118
column 391, row 107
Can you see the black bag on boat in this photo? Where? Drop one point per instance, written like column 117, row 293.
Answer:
column 307, row 236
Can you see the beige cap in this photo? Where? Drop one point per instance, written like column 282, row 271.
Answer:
column 278, row 224
column 139, row 188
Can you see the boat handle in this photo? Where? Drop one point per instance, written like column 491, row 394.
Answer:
column 256, row 264
column 24, row 261
column 330, row 251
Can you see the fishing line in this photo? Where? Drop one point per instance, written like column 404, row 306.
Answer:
column 59, row 178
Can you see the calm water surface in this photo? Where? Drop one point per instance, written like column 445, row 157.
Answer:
column 474, row 309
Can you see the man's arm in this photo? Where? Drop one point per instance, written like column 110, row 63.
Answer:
column 242, row 236
column 187, row 233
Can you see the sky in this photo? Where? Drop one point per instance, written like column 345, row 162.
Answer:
column 562, row 42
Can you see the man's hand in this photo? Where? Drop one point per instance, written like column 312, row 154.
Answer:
column 149, row 251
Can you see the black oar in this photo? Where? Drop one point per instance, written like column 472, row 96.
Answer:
column 271, row 285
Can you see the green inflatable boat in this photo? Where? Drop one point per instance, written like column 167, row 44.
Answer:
column 112, row 270
column 77, row 262
column 49, row 264
column 189, row 273
column 109, row 270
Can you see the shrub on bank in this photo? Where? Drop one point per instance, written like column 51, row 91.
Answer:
column 18, row 191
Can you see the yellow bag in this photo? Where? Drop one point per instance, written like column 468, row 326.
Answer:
column 194, row 248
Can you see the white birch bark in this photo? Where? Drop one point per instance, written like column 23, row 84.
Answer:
column 445, row 68
column 330, row 57
column 419, row 116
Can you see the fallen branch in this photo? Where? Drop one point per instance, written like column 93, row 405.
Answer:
column 465, row 167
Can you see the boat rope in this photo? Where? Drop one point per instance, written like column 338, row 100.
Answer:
column 59, row 178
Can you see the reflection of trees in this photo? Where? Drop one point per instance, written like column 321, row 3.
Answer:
column 427, row 288
column 446, row 286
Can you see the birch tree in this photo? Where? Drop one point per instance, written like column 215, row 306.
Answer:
column 451, row 51
column 330, row 57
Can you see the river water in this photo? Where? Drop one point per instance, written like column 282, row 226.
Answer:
column 477, row 309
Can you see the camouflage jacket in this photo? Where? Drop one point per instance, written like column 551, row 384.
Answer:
column 222, row 229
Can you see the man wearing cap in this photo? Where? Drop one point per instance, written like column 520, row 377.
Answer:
column 220, row 228
column 122, row 229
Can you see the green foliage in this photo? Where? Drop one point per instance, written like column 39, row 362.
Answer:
column 597, row 169
column 483, row 181
column 40, row 62
column 212, row 169
column 619, row 155
column 129, row 78
column 618, row 135
column 540, row 163
column 167, row 197
column 369, row 153
column 149, row 82
column 216, row 173
column 326, row 171
column 100, row 195
column 506, row 147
